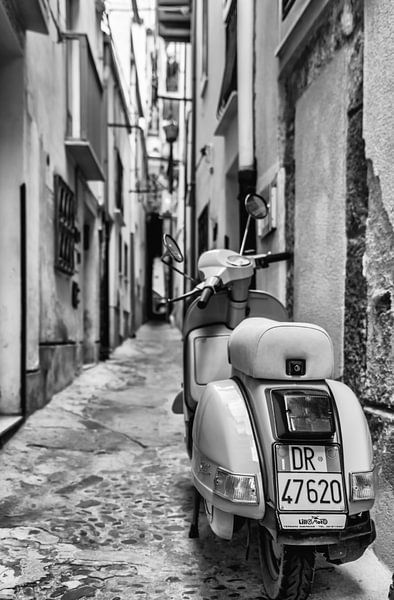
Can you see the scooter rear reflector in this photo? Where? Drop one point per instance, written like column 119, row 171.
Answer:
column 362, row 486
column 237, row 488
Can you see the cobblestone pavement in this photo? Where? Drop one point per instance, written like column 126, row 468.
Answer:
column 95, row 497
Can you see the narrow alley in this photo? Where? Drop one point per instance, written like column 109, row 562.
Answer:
column 95, row 497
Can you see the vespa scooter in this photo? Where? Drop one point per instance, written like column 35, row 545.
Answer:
column 274, row 441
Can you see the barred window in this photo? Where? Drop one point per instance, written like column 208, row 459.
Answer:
column 286, row 6
column 65, row 207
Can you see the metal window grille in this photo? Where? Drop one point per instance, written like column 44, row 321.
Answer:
column 286, row 7
column 65, row 207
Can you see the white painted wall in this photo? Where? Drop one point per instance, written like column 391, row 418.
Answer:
column 33, row 176
column 216, row 177
column 11, row 177
column 267, row 140
column 320, row 237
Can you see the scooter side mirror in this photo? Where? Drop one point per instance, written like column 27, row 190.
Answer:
column 171, row 248
column 256, row 206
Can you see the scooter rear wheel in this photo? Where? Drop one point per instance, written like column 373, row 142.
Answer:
column 287, row 571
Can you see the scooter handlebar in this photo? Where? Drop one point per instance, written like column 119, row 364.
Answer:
column 209, row 290
column 263, row 260
column 205, row 297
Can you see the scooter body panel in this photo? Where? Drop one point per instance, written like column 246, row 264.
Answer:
column 351, row 438
column 206, row 358
column 259, row 304
column 223, row 437
column 199, row 331
column 356, row 439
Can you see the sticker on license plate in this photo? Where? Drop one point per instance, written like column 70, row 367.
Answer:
column 309, row 478
column 310, row 521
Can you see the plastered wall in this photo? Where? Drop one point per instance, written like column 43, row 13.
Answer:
column 320, row 241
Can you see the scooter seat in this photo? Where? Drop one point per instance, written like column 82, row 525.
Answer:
column 267, row 349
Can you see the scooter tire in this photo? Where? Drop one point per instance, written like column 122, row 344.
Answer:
column 287, row 571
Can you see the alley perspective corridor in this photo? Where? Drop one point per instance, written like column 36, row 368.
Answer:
column 96, row 497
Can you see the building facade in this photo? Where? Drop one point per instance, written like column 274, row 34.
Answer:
column 289, row 103
column 66, row 257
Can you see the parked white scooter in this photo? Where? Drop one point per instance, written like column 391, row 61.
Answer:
column 273, row 440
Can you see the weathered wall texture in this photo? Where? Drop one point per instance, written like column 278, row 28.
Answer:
column 378, row 130
column 354, row 343
column 379, row 270
column 344, row 52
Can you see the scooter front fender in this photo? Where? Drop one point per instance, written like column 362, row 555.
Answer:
column 223, row 438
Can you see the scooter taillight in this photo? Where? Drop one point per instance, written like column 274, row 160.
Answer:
column 237, row 488
column 300, row 413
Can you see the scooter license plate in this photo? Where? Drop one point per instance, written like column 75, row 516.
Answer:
column 309, row 478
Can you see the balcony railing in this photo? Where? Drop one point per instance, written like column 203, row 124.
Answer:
column 85, row 123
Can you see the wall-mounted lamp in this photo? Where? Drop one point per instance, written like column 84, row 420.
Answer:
column 171, row 131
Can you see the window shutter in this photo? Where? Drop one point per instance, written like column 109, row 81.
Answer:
column 229, row 82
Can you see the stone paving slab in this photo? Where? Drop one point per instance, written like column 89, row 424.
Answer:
column 95, row 497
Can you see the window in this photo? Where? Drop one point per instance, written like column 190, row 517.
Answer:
column 286, row 6
column 296, row 20
column 229, row 82
column 172, row 69
column 119, row 183
column 204, row 45
column 126, row 259
column 203, row 223
column 171, row 110
column 120, row 247
column 84, row 106
column 71, row 14
column 65, row 231
column 226, row 8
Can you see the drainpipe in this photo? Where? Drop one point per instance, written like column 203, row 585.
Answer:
column 245, row 85
column 23, row 266
column 193, row 167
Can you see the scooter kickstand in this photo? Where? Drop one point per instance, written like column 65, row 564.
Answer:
column 193, row 531
column 248, row 541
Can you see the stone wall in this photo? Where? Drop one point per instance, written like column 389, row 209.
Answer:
column 378, row 127
column 362, row 32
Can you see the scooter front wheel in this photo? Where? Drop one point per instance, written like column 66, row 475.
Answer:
column 287, row 571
